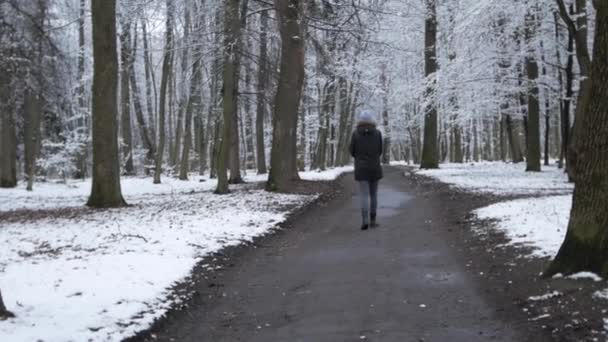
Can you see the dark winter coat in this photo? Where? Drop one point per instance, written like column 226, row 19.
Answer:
column 366, row 148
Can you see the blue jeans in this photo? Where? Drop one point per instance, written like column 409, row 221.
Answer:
column 368, row 193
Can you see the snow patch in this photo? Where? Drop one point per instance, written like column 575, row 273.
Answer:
column 545, row 296
column 501, row 178
column 540, row 223
column 585, row 275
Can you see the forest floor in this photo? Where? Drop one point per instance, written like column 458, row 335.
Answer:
column 457, row 259
column 431, row 272
column 70, row 273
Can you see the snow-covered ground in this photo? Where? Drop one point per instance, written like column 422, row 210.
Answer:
column 104, row 275
column 51, row 195
column 502, row 178
column 539, row 221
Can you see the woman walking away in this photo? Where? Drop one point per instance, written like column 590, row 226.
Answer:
column 366, row 148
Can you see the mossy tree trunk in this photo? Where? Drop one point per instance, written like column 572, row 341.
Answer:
column 105, row 190
column 585, row 247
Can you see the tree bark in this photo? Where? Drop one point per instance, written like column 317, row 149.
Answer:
column 8, row 139
column 283, row 159
column 166, row 76
column 585, row 247
column 105, row 190
column 430, row 152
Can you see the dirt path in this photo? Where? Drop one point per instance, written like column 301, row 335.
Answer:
column 325, row 280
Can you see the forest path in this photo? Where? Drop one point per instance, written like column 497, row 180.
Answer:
column 326, row 280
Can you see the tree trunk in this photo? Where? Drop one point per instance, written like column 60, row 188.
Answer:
column 105, row 190
column 8, row 139
column 533, row 126
column 150, row 84
column 329, row 96
column 184, row 98
column 4, row 313
column 343, row 122
column 234, row 155
column 193, row 108
column 144, row 130
column 430, row 152
column 32, row 108
column 82, row 128
column 386, row 154
column 166, row 76
column 229, row 93
column 261, row 96
column 283, row 161
column 579, row 31
column 125, row 98
column 585, row 247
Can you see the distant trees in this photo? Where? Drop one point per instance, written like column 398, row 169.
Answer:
column 105, row 191
column 209, row 91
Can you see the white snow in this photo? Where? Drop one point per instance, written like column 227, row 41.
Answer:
column 585, row 275
column 106, row 274
column 540, row 223
column 52, row 195
column 501, row 178
column 546, row 296
column 603, row 294
column 329, row 174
